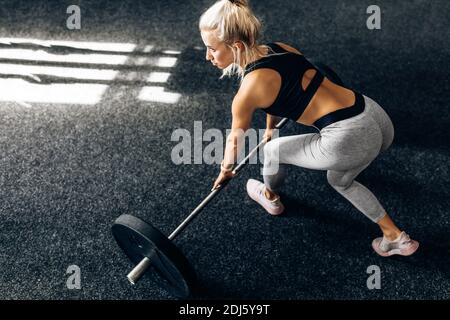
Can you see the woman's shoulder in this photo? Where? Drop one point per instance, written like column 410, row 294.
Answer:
column 260, row 85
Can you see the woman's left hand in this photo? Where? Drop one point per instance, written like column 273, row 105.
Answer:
column 223, row 176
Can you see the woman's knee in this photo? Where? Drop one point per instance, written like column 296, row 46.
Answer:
column 271, row 158
column 272, row 151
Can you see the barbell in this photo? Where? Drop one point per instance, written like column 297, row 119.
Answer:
column 149, row 249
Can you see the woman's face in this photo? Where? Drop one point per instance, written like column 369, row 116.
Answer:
column 217, row 52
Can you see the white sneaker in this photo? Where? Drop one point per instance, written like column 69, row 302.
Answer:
column 403, row 245
column 255, row 190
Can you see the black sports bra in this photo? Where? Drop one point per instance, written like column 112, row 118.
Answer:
column 292, row 100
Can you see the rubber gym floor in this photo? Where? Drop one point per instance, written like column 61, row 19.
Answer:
column 86, row 136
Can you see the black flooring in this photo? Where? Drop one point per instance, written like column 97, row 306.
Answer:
column 68, row 170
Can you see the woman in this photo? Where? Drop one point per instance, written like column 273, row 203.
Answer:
column 277, row 78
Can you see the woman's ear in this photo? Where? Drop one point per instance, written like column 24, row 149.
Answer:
column 239, row 45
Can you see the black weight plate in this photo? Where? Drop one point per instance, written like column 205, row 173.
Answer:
column 139, row 239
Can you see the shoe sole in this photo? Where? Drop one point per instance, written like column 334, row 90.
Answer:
column 401, row 252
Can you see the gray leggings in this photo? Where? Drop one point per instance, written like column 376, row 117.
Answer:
column 344, row 149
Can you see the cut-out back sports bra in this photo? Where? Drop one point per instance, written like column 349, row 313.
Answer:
column 292, row 100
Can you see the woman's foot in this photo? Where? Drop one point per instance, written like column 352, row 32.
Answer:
column 256, row 191
column 403, row 245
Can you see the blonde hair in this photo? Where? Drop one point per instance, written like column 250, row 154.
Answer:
column 233, row 20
